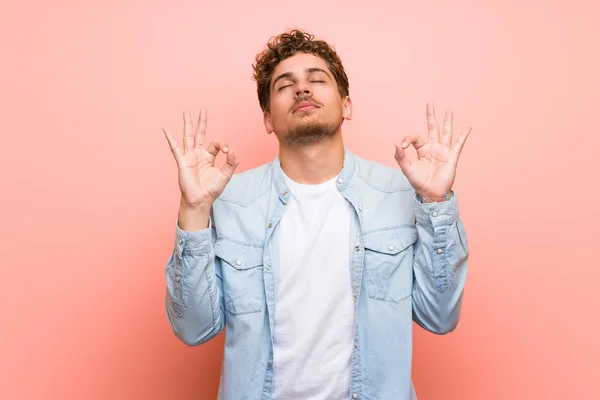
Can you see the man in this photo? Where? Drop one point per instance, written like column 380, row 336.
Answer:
column 317, row 262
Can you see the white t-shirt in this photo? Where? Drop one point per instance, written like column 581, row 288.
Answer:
column 314, row 307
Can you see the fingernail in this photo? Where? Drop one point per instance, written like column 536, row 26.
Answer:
column 404, row 144
column 225, row 148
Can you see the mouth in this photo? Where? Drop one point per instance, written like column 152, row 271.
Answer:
column 304, row 106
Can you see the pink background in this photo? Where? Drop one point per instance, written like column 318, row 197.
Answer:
column 89, row 191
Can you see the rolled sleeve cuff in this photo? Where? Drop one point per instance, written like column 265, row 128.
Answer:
column 193, row 243
column 436, row 214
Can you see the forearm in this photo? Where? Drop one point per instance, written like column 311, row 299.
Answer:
column 440, row 266
column 194, row 296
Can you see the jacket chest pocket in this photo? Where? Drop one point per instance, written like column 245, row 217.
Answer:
column 388, row 263
column 242, row 271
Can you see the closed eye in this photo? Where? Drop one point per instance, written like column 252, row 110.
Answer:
column 290, row 84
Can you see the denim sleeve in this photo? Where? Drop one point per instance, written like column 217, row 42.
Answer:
column 194, row 297
column 440, row 265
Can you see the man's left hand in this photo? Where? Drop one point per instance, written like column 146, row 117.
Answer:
column 432, row 173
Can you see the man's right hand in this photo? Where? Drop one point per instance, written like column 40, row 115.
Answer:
column 200, row 181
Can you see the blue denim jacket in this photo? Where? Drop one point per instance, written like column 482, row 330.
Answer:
column 408, row 263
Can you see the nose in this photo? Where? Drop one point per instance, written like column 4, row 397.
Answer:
column 302, row 89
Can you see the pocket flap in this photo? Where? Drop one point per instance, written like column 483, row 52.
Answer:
column 390, row 241
column 239, row 256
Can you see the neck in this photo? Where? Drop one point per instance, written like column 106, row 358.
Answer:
column 314, row 163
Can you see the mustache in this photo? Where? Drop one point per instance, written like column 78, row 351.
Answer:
column 305, row 98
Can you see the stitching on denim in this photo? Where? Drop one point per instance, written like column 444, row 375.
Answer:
column 389, row 228
column 249, row 244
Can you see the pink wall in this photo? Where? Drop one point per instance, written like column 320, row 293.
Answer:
column 89, row 192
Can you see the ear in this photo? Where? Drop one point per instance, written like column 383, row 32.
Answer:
column 268, row 123
column 347, row 108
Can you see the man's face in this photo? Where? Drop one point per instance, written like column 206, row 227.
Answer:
column 305, row 104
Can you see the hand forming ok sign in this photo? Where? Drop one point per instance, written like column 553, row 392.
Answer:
column 200, row 181
column 432, row 173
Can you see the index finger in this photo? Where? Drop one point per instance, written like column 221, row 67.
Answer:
column 434, row 135
column 199, row 136
column 230, row 165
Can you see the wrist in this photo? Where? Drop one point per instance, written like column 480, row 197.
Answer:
column 193, row 218
column 196, row 207
column 434, row 198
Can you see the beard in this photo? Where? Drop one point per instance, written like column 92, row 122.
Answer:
column 311, row 132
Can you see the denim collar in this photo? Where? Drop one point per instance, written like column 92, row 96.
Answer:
column 345, row 176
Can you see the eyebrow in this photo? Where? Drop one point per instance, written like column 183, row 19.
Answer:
column 307, row 70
